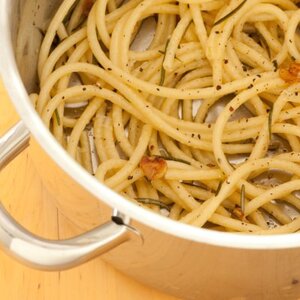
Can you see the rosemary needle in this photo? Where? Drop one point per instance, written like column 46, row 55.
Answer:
column 270, row 122
column 173, row 159
column 163, row 71
column 230, row 14
column 154, row 202
column 242, row 199
column 57, row 117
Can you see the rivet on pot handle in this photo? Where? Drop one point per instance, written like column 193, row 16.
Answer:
column 47, row 254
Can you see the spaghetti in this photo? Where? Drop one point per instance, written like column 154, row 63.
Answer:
column 199, row 121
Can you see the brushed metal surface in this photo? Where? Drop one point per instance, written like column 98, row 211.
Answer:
column 46, row 254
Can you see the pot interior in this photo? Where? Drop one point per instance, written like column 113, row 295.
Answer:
column 30, row 19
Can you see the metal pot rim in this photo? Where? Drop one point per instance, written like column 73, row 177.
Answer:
column 18, row 94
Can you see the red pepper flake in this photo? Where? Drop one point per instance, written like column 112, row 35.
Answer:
column 211, row 165
column 153, row 167
column 231, row 109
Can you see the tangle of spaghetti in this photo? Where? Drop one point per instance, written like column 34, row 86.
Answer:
column 189, row 108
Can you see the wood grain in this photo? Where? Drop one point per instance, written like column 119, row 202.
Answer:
column 24, row 195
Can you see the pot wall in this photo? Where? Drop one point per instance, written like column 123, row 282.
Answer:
column 179, row 267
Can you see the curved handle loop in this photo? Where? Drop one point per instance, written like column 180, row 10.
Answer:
column 47, row 254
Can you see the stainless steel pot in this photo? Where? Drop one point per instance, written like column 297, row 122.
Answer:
column 188, row 262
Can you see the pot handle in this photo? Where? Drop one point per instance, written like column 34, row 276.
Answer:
column 47, row 254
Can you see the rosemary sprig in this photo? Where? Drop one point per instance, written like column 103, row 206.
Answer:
column 162, row 70
column 242, row 199
column 198, row 185
column 230, row 14
column 173, row 159
column 163, row 52
column 187, row 72
column 57, row 117
column 162, row 76
column 153, row 201
column 270, row 122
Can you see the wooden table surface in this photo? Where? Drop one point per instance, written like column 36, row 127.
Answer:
column 23, row 194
